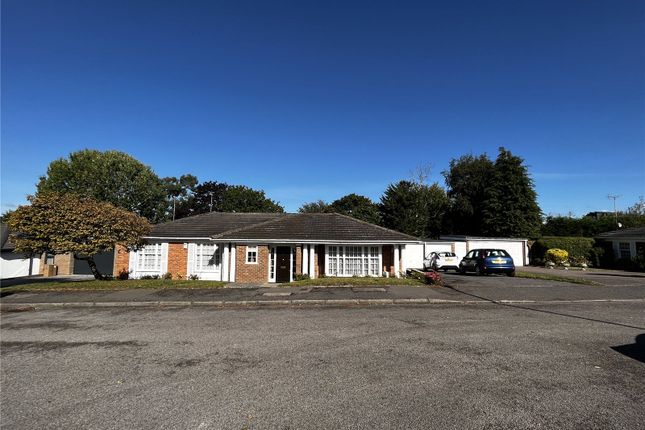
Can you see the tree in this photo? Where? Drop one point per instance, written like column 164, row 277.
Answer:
column 414, row 208
column 179, row 193
column 467, row 179
column 111, row 176
column 319, row 206
column 240, row 198
column 638, row 208
column 510, row 208
column 359, row 207
column 66, row 223
column 208, row 197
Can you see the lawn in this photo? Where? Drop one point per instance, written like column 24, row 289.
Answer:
column 353, row 282
column 94, row 285
column 557, row 278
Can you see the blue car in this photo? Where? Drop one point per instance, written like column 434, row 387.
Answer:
column 485, row 261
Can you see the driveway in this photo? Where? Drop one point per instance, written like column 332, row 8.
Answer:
column 490, row 366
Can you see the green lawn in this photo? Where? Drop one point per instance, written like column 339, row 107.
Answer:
column 557, row 278
column 93, row 285
column 353, row 282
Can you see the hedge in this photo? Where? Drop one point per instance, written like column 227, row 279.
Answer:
column 577, row 247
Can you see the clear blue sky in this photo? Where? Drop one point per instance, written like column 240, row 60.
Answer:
column 316, row 100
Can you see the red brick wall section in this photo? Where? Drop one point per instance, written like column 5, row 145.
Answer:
column 121, row 260
column 177, row 260
column 252, row 273
column 388, row 259
column 298, row 260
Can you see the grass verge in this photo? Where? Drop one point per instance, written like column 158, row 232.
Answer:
column 353, row 282
column 131, row 284
column 557, row 278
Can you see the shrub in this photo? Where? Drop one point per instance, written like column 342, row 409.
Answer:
column 557, row 256
column 433, row 278
column 194, row 277
column 167, row 275
column 577, row 247
column 123, row 275
column 300, row 277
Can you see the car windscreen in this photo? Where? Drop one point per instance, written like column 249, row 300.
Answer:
column 447, row 254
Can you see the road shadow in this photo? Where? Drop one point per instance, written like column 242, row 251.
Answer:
column 544, row 311
column 634, row 350
column 619, row 275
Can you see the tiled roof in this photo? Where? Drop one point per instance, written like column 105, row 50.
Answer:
column 317, row 227
column 210, row 224
column 634, row 232
column 276, row 227
column 6, row 244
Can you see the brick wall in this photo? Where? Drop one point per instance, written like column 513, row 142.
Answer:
column 298, row 260
column 252, row 272
column 64, row 263
column 177, row 259
column 121, row 260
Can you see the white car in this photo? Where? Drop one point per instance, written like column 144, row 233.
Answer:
column 441, row 261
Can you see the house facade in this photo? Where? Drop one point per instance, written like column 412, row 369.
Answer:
column 267, row 248
column 626, row 242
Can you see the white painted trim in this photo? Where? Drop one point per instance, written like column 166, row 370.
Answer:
column 342, row 261
column 312, row 261
column 225, row 263
column 183, row 239
column 396, row 261
column 257, row 254
column 403, row 268
column 321, row 242
column 305, row 259
column 234, row 261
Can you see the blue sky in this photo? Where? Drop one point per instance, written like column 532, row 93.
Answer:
column 315, row 100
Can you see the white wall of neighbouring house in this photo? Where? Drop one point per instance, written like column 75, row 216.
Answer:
column 413, row 256
column 17, row 265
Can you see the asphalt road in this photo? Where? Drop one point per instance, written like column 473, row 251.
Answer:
column 480, row 366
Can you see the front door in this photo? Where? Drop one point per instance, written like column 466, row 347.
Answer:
column 283, row 264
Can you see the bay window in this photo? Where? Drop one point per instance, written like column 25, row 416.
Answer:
column 353, row 260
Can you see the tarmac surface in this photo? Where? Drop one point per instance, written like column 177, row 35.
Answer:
column 569, row 366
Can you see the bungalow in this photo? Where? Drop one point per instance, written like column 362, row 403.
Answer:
column 626, row 242
column 267, row 247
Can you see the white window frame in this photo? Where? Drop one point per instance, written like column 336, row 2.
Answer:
column 342, row 260
column 137, row 260
column 249, row 250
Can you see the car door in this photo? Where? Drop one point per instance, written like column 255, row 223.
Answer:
column 466, row 263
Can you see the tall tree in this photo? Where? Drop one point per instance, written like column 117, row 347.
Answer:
column 240, row 198
column 638, row 208
column 510, row 208
column 359, row 207
column 414, row 208
column 66, row 223
column 319, row 206
column 208, row 197
column 179, row 192
column 467, row 179
column 111, row 176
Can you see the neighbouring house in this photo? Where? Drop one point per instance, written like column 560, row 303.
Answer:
column 626, row 242
column 267, row 247
column 12, row 264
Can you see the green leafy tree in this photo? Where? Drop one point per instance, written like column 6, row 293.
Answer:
column 414, row 208
column 180, row 193
column 467, row 179
column 207, row 197
column 319, row 206
column 510, row 208
column 66, row 223
column 240, row 198
column 359, row 207
column 589, row 226
column 638, row 208
column 111, row 176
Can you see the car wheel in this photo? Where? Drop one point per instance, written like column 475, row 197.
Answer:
column 461, row 270
column 478, row 270
column 511, row 274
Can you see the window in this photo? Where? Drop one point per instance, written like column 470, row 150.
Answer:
column 149, row 258
column 272, row 264
column 49, row 258
column 207, row 257
column 624, row 250
column 252, row 254
column 353, row 260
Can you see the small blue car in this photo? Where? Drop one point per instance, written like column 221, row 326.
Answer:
column 485, row 261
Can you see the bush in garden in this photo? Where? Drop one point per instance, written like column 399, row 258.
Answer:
column 167, row 275
column 578, row 247
column 557, row 256
column 433, row 278
column 123, row 275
